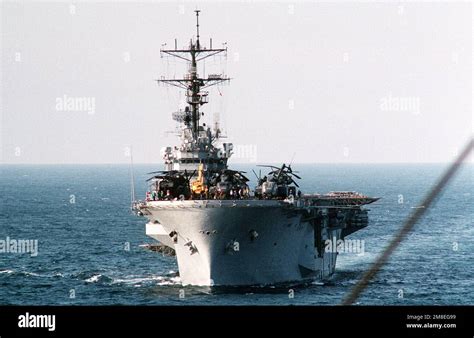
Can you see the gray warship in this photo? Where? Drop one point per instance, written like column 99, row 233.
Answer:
column 221, row 231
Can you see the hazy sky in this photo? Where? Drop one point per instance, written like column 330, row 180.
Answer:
column 330, row 82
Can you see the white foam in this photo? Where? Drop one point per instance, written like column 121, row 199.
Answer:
column 317, row 283
column 171, row 281
column 93, row 279
column 137, row 280
column 31, row 274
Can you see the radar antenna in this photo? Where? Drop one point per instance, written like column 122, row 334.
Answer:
column 192, row 82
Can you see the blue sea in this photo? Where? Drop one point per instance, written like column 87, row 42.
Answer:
column 89, row 249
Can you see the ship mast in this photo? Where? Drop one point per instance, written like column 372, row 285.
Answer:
column 191, row 82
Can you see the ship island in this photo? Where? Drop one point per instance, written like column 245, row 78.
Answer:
column 222, row 231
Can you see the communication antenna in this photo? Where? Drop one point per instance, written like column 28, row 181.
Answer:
column 132, row 181
column 292, row 158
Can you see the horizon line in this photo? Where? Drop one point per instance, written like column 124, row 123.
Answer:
column 236, row 163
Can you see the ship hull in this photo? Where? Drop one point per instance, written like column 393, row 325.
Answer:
column 239, row 242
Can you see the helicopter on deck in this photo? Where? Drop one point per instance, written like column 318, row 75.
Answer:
column 279, row 183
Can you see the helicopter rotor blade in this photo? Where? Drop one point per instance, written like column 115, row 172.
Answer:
column 295, row 183
column 244, row 177
column 267, row 166
column 281, row 171
column 255, row 175
column 154, row 177
column 296, row 176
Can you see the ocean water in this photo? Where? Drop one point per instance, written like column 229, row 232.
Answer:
column 80, row 216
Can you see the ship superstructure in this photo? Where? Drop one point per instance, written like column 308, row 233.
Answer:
column 198, row 141
column 222, row 231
